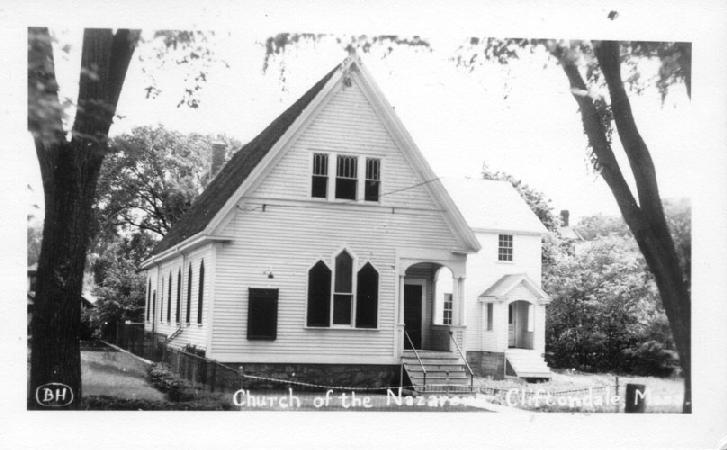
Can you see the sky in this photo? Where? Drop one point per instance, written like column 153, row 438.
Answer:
column 519, row 118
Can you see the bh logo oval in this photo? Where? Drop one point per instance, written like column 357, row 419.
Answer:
column 54, row 394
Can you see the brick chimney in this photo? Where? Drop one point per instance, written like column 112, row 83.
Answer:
column 217, row 159
column 564, row 217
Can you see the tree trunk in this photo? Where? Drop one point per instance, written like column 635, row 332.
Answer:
column 70, row 172
column 56, row 323
column 645, row 218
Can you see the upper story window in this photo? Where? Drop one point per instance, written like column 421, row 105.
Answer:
column 320, row 176
column 373, row 180
column 346, row 176
column 504, row 247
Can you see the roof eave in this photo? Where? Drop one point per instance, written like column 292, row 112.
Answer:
column 187, row 245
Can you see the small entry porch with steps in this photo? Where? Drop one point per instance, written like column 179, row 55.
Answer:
column 525, row 363
column 439, row 372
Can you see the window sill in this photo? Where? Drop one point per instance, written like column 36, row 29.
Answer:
column 339, row 328
column 505, row 262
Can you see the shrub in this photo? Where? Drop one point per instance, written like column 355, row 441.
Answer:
column 176, row 388
column 651, row 358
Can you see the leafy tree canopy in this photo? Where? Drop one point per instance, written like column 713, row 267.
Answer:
column 150, row 178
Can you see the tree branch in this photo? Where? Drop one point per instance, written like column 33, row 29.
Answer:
column 45, row 113
column 610, row 169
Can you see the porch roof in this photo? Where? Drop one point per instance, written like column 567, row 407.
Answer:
column 502, row 288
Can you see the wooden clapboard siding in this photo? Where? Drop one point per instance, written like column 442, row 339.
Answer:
column 347, row 124
column 193, row 333
column 288, row 240
column 294, row 232
column 483, row 269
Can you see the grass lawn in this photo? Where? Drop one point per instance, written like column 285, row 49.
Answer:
column 116, row 374
column 569, row 392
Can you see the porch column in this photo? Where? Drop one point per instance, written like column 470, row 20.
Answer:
column 399, row 326
column 458, row 325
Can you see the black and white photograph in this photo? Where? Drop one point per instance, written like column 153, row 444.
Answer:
column 408, row 226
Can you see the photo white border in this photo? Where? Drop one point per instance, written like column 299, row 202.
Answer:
column 702, row 23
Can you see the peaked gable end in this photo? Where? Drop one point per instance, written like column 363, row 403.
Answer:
column 347, row 125
column 234, row 173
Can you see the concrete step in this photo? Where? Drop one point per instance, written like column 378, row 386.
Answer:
column 445, row 389
column 527, row 364
column 429, row 354
column 434, row 361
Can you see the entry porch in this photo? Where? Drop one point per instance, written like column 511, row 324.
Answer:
column 430, row 305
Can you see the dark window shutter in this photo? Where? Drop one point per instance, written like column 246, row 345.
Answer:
column 367, row 297
column 179, row 294
column 148, row 299
column 319, row 295
column 169, row 299
column 200, row 293
column 189, row 292
column 262, row 314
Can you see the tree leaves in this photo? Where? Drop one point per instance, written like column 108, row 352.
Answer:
column 151, row 177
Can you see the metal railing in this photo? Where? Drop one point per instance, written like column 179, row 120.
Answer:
column 176, row 333
column 421, row 364
column 466, row 364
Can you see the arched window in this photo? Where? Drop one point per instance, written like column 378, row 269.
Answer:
column 319, row 295
column 367, row 297
column 200, row 293
column 189, row 293
column 343, row 289
column 161, row 301
column 148, row 299
column 179, row 294
column 169, row 299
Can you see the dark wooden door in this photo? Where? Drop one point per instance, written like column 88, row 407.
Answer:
column 413, row 315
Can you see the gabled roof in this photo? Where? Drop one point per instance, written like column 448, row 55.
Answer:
column 241, row 172
column 234, row 173
column 501, row 288
column 492, row 205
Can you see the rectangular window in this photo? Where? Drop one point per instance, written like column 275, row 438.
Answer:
column 373, row 179
column 342, row 309
column 320, row 175
column 346, row 177
column 489, row 316
column 504, row 247
column 262, row 314
column 343, row 290
column 447, row 312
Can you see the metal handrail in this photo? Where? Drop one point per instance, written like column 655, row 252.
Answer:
column 466, row 364
column 424, row 371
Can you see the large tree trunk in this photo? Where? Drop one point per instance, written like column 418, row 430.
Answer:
column 645, row 218
column 70, row 172
column 55, row 353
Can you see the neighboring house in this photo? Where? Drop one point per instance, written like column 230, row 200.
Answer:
column 505, row 306
column 570, row 237
column 317, row 249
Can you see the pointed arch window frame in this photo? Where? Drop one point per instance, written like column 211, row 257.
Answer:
column 356, row 266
